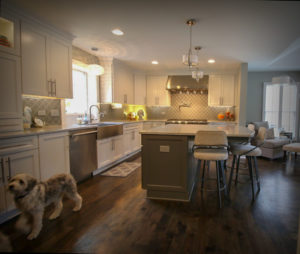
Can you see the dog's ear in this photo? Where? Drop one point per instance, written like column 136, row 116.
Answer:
column 31, row 182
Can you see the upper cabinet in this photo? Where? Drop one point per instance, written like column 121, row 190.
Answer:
column 140, row 89
column 46, row 62
column 123, row 80
column 221, row 89
column 10, row 93
column 157, row 95
column 9, row 34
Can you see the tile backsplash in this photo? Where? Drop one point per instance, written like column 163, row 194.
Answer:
column 197, row 109
column 42, row 104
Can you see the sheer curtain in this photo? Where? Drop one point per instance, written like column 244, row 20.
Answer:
column 280, row 107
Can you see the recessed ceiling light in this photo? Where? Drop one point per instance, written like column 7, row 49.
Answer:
column 154, row 62
column 117, row 31
column 211, row 60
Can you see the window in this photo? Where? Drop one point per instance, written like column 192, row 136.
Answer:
column 85, row 91
column 280, row 106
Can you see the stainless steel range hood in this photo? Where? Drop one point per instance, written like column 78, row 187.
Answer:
column 186, row 82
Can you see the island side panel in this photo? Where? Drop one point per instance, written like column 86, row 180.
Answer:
column 165, row 167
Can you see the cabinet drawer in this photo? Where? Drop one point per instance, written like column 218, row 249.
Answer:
column 13, row 145
column 132, row 126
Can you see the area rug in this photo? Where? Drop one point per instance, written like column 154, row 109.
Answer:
column 123, row 169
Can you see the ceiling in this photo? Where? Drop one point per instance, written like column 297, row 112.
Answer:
column 264, row 34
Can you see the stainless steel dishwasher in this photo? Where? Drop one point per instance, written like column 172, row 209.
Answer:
column 83, row 153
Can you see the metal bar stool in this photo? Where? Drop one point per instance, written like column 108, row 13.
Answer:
column 212, row 146
column 251, row 152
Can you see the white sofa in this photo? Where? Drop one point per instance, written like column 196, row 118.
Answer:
column 272, row 146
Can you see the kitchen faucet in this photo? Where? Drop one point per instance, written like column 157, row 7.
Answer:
column 101, row 114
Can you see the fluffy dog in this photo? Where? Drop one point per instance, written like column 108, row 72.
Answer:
column 31, row 197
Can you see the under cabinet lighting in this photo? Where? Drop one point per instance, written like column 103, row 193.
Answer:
column 211, row 60
column 154, row 62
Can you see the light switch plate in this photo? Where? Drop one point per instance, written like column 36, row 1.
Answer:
column 41, row 112
column 54, row 112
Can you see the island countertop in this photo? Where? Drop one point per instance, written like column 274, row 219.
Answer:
column 191, row 130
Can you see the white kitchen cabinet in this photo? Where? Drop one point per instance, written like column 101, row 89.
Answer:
column 140, row 89
column 157, row 94
column 221, row 90
column 10, row 28
column 17, row 155
column 10, row 93
column 54, row 154
column 109, row 150
column 46, row 62
column 132, row 138
column 123, row 80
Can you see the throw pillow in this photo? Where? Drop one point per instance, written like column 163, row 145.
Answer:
column 270, row 133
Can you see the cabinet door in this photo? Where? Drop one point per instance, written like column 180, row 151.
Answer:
column 60, row 67
column 127, row 141
column 105, row 152
column 157, row 95
column 139, row 89
column 2, row 188
column 10, row 28
column 54, row 154
column 215, row 90
column 228, row 88
column 137, row 140
column 10, row 93
column 34, row 61
column 118, row 150
column 23, row 162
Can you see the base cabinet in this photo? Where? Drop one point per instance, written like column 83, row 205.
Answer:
column 109, row 150
column 18, row 155
column 54, row 154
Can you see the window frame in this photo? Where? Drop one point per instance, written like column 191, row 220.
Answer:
column 265, row 84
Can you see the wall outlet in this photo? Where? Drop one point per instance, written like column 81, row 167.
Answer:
column 41, row 112
column 54, row 112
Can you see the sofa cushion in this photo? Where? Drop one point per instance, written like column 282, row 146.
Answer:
column 270, row 133
column 261, row 124
column 275, row 143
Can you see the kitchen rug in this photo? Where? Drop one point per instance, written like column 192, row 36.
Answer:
column 123, row 169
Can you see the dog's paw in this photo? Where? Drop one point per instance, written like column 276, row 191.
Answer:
column 32, row 236
column 53, row 216
column 76, row 208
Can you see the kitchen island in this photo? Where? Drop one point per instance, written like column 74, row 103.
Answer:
column 168, row 165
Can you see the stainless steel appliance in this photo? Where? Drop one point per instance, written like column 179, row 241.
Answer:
column 83, row 153
column 186, row 121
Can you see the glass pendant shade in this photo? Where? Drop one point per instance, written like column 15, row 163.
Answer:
column 197, row 75
column 190, row 59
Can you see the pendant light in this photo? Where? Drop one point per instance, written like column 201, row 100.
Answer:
column 190, row 59
column 197, row 74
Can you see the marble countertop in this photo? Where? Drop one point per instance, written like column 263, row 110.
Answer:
column 191, row 130
column 60, row 128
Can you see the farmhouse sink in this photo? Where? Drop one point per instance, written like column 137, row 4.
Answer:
column 109, row 129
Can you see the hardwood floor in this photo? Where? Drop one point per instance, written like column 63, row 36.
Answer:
column 117, row 218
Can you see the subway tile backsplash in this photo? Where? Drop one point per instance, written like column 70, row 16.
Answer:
column 42, row 104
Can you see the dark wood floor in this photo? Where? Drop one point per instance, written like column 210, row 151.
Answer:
column 117, row 218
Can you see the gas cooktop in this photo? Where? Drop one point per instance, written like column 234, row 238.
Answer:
column 186, row 121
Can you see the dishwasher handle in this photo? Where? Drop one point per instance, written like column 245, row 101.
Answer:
column 83, row 133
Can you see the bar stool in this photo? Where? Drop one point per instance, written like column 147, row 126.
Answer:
column 212, row 146
column 251, row 152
